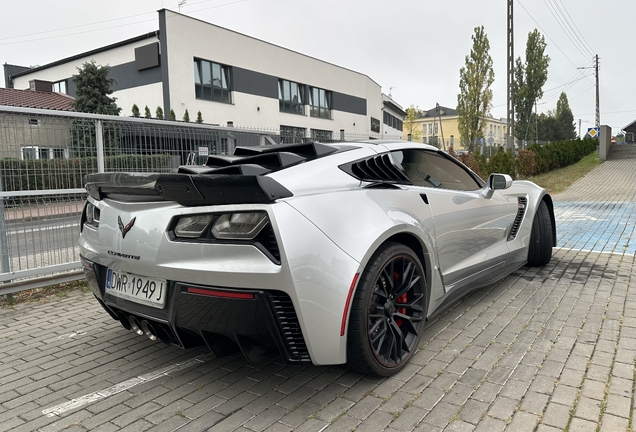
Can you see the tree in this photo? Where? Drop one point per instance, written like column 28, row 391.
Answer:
column 549, row 128
column 475, row 96
column 147, row 112
column 186, row 116
column 92, row 90
column 410, row 124
column 135, row 110
column 565, row 118
column 529, row 80
column 173, row 116
column 199, row 117
column 159, row 113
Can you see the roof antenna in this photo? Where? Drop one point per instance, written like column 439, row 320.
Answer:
column 391, row 91
column 181, row 3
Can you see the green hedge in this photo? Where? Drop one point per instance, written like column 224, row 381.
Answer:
column 44, row 174
column 560, row 154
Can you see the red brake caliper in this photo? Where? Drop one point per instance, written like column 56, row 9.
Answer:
column 402, row 299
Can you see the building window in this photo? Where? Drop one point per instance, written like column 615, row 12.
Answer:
column 290, row 134
column 29, row 153
column 392, row 121
column 37, row 153
column 375, row 125
column 212, row 81
column 324, row 136
column 59, row 153
column 291, row 97
column 59, row 87
column 320, row 103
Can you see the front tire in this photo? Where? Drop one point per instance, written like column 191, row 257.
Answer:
column 387, row 312
column 540, row 250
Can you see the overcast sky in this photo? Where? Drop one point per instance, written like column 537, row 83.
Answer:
column 414, row 47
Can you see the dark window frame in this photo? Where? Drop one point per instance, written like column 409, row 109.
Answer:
column 212, row 81
column 322, row 135
column 292, row 134
column 320, row 102
column 287, row 91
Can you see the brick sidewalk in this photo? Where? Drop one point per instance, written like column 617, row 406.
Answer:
column 544, row 350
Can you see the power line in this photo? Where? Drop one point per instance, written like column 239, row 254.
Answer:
column 565, row 26
column 577, row 28
column 548, row 36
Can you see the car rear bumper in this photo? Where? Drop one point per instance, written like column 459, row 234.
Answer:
column 261, row 323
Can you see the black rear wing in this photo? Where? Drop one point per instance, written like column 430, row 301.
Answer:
column 186, row 189
column 237, row 179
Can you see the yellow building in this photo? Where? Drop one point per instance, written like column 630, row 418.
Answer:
column 439, row 127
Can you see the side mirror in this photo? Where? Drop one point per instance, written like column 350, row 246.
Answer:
column 496, row 182
column 499, row 181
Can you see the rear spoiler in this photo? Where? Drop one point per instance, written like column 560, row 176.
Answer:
column 186, row 189
column 237, row 179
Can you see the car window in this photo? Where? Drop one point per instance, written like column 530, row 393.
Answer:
column 426, row 168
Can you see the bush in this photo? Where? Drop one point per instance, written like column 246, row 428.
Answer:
column 526, row 165
column 536, row 159
column 503, row 162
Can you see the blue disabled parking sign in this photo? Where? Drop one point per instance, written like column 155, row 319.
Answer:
column 593, row 132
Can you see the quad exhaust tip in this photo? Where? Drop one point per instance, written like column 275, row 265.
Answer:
column 135, row 325
column 148, row 330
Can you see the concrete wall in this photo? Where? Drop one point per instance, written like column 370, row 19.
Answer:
column 604, row 142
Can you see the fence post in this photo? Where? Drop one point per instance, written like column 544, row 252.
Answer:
column 4, row 244
column 99, row 138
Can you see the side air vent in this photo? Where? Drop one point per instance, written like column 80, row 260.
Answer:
column 289, row 326
column 523, row 203
column 378, row 168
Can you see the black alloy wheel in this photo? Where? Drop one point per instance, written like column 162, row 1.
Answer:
column 387, row 317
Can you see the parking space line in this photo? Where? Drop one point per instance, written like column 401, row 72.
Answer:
column 120, row 387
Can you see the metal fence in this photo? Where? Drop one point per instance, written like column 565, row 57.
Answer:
column 46, row 155
column 44, row 158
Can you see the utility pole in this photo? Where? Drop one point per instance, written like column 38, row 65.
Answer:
column 510, row 138
column 580, row 129
column 598, row 109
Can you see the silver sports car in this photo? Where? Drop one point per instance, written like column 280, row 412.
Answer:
column 317, row 253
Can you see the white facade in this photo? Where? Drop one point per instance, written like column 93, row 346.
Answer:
column 255, row 70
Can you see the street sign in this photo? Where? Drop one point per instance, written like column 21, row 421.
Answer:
column 203, row 151
column 593, row 132
column 491, row 140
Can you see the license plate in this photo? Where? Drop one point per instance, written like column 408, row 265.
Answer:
column 139, row 289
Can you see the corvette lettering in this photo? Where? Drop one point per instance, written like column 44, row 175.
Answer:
column 121, row 255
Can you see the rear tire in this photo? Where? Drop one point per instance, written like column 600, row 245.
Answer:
column 387, row 312
column 540, row 250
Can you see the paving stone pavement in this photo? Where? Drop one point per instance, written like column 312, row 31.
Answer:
column 546, row 349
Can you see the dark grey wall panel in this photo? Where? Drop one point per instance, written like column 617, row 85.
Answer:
column 255, row 83
column 347, row 103
column 127, row 76
column 147, row 56
column 165, row 78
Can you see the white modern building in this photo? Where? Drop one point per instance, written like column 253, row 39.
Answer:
column 243, row 81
